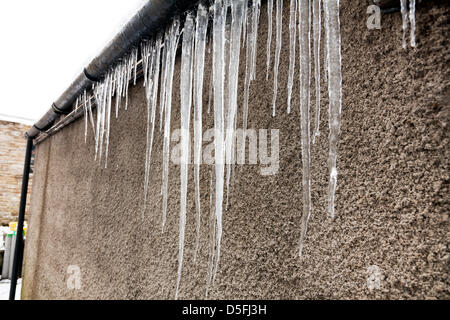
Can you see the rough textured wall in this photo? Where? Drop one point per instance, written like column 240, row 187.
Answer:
column 392, row 197
column 12, row 155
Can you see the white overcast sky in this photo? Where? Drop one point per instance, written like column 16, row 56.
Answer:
column 45, row 44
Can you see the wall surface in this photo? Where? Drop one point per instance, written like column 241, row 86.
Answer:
column 392, row 199
column 12, row 155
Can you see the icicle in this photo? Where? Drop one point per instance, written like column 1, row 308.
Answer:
column 91, row 117
column 108, row 116
column 170, row 62
column 119, row 85
column 237, row 11
column 97, row 89
column 279, row 31
column 412, row 21
column 292, row 44
column 85, row 109
column 247, row 80
column 127, row 73
column 220, row 11
column 256, row 10
column 186, row 102
column 154, row 96
column 200, row 45
column 212, row 235
column 152, row 54
column 103, row 119
column 145, row 52
column 250, row 72
column 135, row 63
column 269, row 34
column 146, row 57
column 404, row 12
column 317, row 30
column 332, row 28
column 162, row 98
column 305, row 81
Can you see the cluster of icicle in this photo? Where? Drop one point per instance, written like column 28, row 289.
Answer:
column 115, row 85
column 158, row 63
column 412, row 21
column 310, row 13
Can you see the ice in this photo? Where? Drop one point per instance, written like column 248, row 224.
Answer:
column 199, row 66
column 172, row 42
column 317, row 31
column 403, row 9
column 91, row 116
column 332, row 28
column 85, row 110
column 292, row 44
column 220, row 11
column 250, row 73
column 186, row 103
column 269, row 34
column 135, row 63
column 108, row 115
column 154, row 51
column 212, row 236
column 305, row 79
column 147, row 55
column 279, row 32
column 412, row 21
column 237, row 11
column 162, row 98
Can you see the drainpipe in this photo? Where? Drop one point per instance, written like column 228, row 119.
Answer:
column 18, row 251
column 152, row 17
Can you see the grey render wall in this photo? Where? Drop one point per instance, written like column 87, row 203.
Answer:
column 392, row 197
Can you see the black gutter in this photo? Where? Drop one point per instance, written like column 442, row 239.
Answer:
column 152, row 17
column 18, row 251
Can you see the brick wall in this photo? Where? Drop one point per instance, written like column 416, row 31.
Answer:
column 12, row 152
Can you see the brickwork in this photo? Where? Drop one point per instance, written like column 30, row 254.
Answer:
column 12, row 151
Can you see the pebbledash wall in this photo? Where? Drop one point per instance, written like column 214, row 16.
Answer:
column 392, row 197
column 12, row 154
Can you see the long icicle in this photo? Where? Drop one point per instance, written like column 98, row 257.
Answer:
column 155, row 83
column 252, row 41
column 404, row 12
column 292, row 45
column 412, row 21
column 220, row 11
column 305, row 79
column 212, row 235
column 147, row 55
column 200, row 45
column 237, row 12
column 91, row 117
column 269, row 34
column 170, row 62
column 162, row 98
column 317, row 8
column 152, row 92
column 85, row 109
column 279, row 32
column 186, row 103
column 332, row 28
column 108, row 117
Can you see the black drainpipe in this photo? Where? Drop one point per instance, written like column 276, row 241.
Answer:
column 18, row 252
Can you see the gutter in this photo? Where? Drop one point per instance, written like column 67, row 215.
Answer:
column 152, row 17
